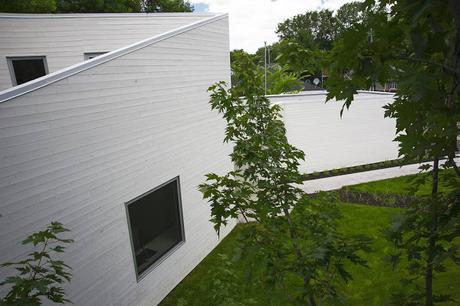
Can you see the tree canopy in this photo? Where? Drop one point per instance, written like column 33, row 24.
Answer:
column 167, row 6
column 28, row 6
column 94, row 6
column 315, row 29
column 319, row 29
column 97, row 6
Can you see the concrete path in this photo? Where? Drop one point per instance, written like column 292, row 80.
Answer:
column 337, row 182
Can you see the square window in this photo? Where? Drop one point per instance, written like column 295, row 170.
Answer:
column 156, row 225
column 90, row 55
column 25, row 69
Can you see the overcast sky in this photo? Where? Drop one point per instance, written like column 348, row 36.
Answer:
column 254, row 21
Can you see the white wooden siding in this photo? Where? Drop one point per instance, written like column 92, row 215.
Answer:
column 64, row 39
column 78, row 149
column 361, row 136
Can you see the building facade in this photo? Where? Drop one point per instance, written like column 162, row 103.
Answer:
column 112, row 141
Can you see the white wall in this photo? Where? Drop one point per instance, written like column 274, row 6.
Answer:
column 78, row 149
column 361, row 136
column 63, row 39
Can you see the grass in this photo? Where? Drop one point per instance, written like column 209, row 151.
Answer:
column 407, row 184
column 195, row 288
column 373, row 286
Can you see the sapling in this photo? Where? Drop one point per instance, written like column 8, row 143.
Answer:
column 39, row 276
column 296, row 234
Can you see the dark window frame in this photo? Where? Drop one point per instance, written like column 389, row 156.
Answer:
column 10, row 59
column 140, row 276
column 90, row 55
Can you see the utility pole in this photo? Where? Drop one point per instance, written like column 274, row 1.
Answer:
column 265, row 62
column 269, row 58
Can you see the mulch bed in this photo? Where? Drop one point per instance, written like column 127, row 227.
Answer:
column 356, row 169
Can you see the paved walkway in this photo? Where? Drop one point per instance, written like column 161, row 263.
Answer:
column 337, row 182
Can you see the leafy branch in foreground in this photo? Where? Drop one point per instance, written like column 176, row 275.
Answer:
column 39, row 274
column 415, row 43
column 296, row 236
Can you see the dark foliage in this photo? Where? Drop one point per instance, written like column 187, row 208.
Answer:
column 94, row 6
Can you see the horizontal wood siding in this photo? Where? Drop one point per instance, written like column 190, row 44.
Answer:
column 361, row 136
column 64, row 40
column 78, row 149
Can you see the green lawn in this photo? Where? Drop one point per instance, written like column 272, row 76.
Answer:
column 373, row 286
column 408, row 184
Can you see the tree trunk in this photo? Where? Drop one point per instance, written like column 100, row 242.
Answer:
column 432, row 239
column 312, row 300
column 298, row 251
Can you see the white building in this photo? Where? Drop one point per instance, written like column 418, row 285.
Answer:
column 101, row 117
column 105, row 126
column 362, row 135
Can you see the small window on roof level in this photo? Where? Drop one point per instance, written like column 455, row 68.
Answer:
column 26, row 68
column 91, row 55
column 155, row 223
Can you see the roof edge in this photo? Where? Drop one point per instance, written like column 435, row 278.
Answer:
column 43, row 81
column 376, row 92
column 324, row 92
column 300, row 94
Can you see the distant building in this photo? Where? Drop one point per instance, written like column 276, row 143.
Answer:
column 387, row 87
column 308, row 86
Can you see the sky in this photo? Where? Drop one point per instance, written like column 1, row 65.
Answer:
column 254, row 21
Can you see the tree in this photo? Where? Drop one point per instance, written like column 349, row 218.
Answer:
column 279, row 80
column 98, row 6
column 312, row 30
column 417, row 44
column 39, row 275
column 299, row 60
column 28, row 6
column 94, row 6
column 348, row 15
column 319, row 29
column 240, row 63
column 304, row 38
column 296, row 234
column 272, row 54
